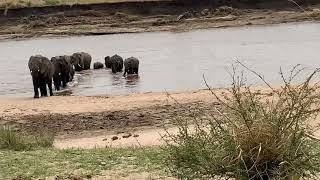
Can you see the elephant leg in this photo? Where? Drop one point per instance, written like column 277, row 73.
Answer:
column 50, row 87
column 56, row 85
column 43, row 88
column 64, row 80
column 68, row 78
column 120, row 67
column 35, row 87
column 125, row 72
column 136, row 70
column 71, row 77
column 130, row 70
column 61, row 80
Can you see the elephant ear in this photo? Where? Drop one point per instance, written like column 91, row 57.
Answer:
column 72, row 60
column 67, row 59
column 82, row 57
column 44, row 65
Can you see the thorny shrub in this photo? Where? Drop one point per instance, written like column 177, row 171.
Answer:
column 252, row 135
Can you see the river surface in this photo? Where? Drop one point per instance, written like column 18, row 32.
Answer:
column 168, row 61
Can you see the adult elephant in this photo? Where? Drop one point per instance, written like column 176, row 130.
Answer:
column 63, row 71
column 41, row 70
column 116, row 63
column 107, row 62
column 81, row 61
column 70, row 68
column 131, row 66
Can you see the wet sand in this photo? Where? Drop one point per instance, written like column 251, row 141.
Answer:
column 89, row 122
column 65, row 105
column 75, row 116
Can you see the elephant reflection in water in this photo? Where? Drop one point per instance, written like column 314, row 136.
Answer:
column 132, row 79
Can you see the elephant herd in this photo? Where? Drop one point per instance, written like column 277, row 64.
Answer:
column 61, row 69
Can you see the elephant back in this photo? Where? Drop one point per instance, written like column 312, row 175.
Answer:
column 117, row 58
column 86, row 56
column 97, row 65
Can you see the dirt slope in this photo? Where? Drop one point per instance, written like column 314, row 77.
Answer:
column 133, row 17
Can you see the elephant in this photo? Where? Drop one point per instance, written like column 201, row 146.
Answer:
column 70, row 67
column 81, row 61
column 63, row 72
column 107, row 62
column 97, row 65
column 57, row 63
column 131, row 66
column 41, row 70
column 116, row 63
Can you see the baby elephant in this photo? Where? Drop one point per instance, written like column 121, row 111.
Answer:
column 107, row 61
column 97, row 65
column 131, row 66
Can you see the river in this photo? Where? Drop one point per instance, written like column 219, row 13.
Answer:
column 168, row 61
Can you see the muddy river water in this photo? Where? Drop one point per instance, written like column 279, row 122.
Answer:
column 168, row 61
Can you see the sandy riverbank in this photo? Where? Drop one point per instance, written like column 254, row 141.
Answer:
column 88, row 122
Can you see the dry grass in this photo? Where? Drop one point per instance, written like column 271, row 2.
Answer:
column 251, row 136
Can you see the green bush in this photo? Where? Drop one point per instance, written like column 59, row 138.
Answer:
column 251, row 135
column 12, row 140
